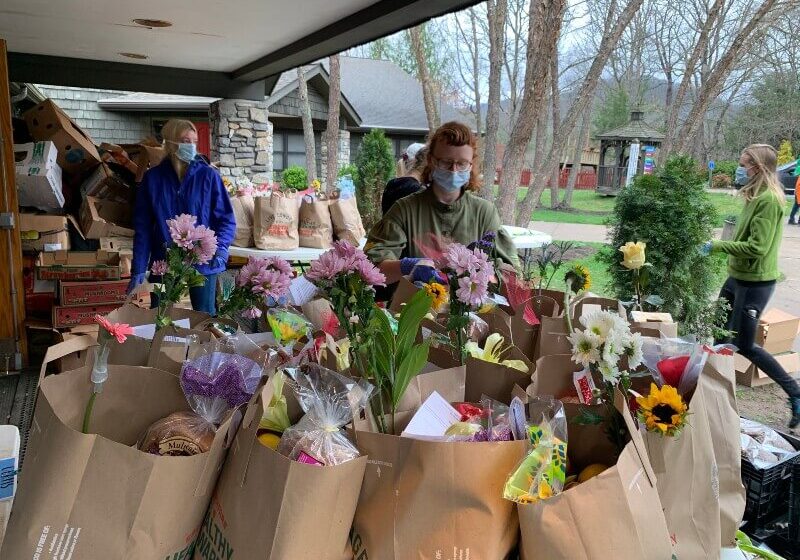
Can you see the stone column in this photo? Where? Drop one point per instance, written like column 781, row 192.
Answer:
column 241, row 139
column 343, row 155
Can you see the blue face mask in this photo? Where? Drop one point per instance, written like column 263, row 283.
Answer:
column 741, row 177
column 450, row 181
column 186, row 151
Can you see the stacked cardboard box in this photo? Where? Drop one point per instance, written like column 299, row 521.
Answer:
column 776, row 334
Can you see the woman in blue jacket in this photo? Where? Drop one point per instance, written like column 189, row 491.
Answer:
column 181, row 184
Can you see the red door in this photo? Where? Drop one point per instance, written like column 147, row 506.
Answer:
column 203, row 138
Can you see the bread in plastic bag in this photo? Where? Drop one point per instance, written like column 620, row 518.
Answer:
column 179, row 434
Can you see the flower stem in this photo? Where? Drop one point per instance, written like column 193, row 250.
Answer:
column 567, row 310
column 87, row 415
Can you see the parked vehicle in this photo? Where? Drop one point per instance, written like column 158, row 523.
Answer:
column 787, row 177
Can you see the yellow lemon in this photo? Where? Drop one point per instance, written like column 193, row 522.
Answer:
column 591, row 471
column 269, row 439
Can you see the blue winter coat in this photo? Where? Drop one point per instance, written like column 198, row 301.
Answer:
column 162, row 196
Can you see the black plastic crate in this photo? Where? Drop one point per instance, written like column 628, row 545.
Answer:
column 767, row 490
column 787, row 536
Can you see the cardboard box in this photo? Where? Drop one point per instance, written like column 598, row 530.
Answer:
column 660, row 323
column 31, row 284
column 749, row 375
column 93, row 293
column 104, row 218
column 777, row 331
column 118, row 244
column 38, row 176
column 43, row 232
column 40, row 306
column 76, row 150
column 144, row 156
column 125, row 263
column 105, row 183
column 65, row 317
column 76, row 265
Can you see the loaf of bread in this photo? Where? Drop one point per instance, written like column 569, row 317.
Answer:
column 179, row 434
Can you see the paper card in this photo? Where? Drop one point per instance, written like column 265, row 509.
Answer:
column 8, row 473
column 432, row 419
column 499, row 300
column 301, row 291
column 149, row 331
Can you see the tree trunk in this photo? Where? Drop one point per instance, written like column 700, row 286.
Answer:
column 555, row 103
column 718, row 76
column 674, row 109
column 585, row 95
column 580, row 142
column 476, row 79
column 308, row 127
column 546, row 17
column 332, row 136
column 429, row 97
column 497, row 13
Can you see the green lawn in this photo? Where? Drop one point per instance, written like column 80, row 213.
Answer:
column 591, row 208
column 597, row 271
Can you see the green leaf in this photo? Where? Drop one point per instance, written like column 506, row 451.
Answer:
column 409, row 322
column 587, row 417
column 409, row 368
column 654, row 300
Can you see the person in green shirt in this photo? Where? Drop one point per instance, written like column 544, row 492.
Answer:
column 446, row 210
column 753, row 262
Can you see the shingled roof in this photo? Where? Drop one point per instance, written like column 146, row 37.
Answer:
column 636, row 128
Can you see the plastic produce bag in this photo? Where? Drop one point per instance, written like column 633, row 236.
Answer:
column 543, row 472
column 329, row 400
column 288, row 327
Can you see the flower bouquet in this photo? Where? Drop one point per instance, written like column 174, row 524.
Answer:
column 260, row 282
column 192, row 245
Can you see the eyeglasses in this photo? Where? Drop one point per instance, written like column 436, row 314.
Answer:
column 449, row 165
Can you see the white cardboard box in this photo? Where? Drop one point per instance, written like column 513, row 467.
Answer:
column 38, row 176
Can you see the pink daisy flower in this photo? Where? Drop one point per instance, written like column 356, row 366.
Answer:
column 472, row 290
column 182, row 230
column 280, row 265
column 326, row 267
column 205, row 244
column 370, row 273
column 460, row 259
column 159, row 268
column 252, row 313
column 120, row 331
column 250, row 270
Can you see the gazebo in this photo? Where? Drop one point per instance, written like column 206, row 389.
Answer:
column 613, row 170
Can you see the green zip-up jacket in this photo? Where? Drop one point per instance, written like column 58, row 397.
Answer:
column 414, row 218
column 753, row 251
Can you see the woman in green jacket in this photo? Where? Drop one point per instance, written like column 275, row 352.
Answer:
column 753, row 262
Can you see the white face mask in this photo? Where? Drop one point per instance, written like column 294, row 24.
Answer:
column 186, row 151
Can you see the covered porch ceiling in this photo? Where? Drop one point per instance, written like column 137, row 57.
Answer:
column 211, row 48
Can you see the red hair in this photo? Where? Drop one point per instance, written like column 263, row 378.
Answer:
column 454, row 133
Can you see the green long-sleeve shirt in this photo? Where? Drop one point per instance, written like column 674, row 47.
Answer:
column 753, row 251
column 414, row 217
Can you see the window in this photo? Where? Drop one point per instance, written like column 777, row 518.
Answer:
column 288, row 148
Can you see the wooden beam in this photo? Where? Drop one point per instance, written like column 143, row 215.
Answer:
column 12, row 293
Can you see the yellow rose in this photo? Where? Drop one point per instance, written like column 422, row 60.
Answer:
column 634, row 258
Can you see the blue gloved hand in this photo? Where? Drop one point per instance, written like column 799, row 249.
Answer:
column 136, row 280
column 705, row 249
column 220, row 259
column 407, row 265
column 424, row 273
column 281, row 301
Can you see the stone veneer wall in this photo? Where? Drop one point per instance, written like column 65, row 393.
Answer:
column 241, row 139
column 344, row 151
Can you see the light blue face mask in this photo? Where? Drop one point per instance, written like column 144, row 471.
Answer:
column 740, row 177
column 186, row 151
column 450, row 181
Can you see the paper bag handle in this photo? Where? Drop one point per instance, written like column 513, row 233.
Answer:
column 621, row 404
column 249, row 429
column 64, row 349
column 210, row 471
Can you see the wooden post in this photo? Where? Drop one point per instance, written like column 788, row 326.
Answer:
column 13, row 347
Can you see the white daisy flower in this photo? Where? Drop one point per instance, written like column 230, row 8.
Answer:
column 585, row 347
column 634, row 350
column 610, row 372
column 599, row 323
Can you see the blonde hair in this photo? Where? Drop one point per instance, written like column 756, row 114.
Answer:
column 764, row 159
column 172, row 132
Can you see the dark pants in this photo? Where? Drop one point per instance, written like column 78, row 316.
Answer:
column 748, row 300
column 795, row 208
column 203, row 298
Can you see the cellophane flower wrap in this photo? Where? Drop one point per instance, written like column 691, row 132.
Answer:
column 329, row 400
column 542, row 473
column 259, row 282
column 192, row 245
column 220, row 376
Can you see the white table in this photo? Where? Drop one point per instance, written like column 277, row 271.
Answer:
column 524, row 239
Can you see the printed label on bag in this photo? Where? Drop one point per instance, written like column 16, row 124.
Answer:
column 57, row 546
column 212, row 544
column 178, row 446
column 359, row 552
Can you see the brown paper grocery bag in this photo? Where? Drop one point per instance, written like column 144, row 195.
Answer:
column 275, row 221
column 170, row 345
column 687, row 479
column 315, row 228
column 347, row 224
column 402, row 294
column 496, row 380
column 554, row 377
column 96, row 495
column 719, row 394
column 616, row 514
column 431, row 500
column 244, row 211
column 526, row 336
column 268, row 507
column 554, row 338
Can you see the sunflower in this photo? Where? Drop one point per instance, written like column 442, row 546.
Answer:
column 663, row 411
column 578, row 278
column 438, row 292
